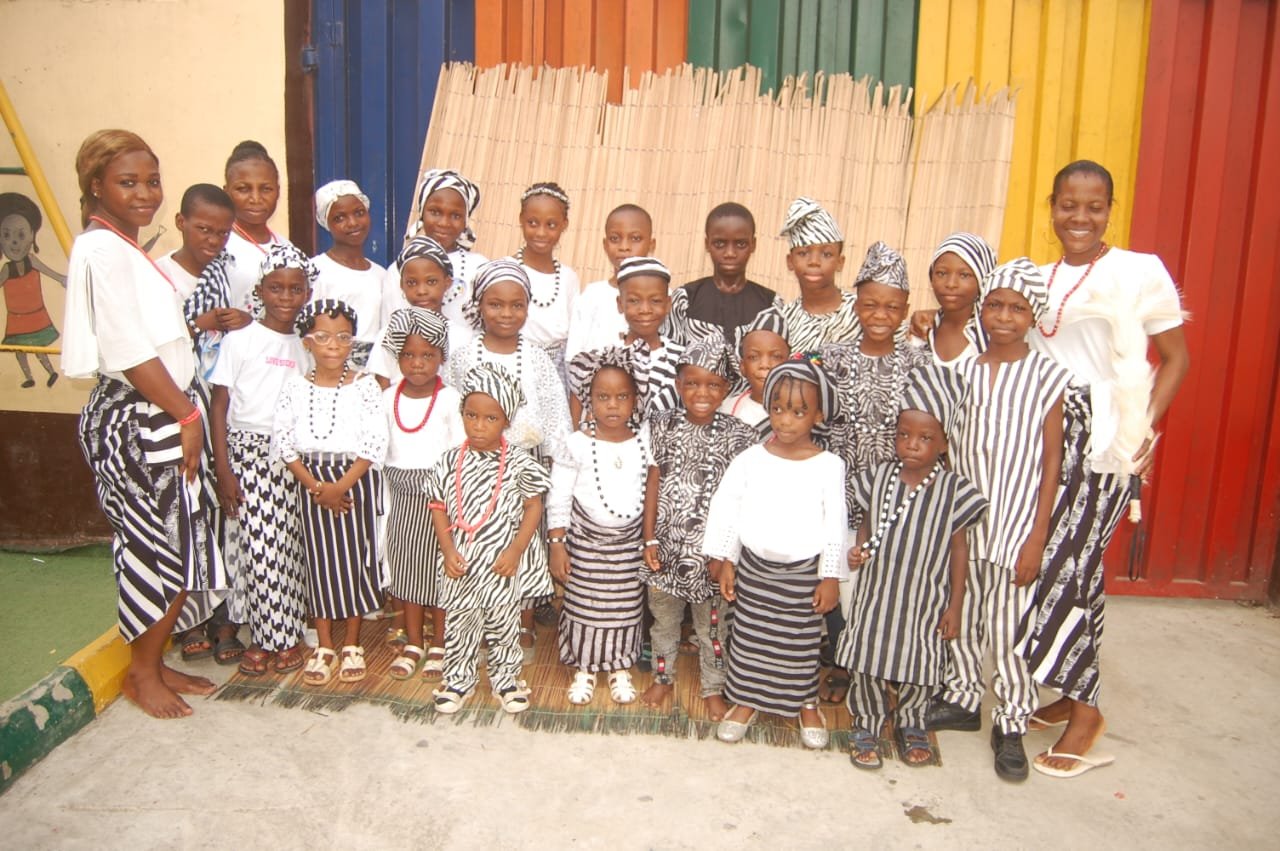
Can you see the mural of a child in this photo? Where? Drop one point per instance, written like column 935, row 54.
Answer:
column 28, row 322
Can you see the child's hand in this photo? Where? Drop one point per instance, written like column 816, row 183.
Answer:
column 507, row 562
column 1030, row 556
column 230, row 497
column 455, row 566
column 331, row 496
column 559, row 556
column 949, row 624
column 826, row 595
column 857, row 557
column 921, row 322
column 714, row 567
column 230, row 319
column 727, row 573
column 651, row 558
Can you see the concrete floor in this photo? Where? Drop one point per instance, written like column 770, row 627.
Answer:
column 1192, row 696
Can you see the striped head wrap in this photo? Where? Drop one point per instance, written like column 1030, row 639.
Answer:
column 1024, row 278
column 329, row 193
column 769, row 319
column 632, row 267
column 436, row 179
column 424, row 246
column 416, row 321
column 970, row 248
column 709, row 353
column 551, row 190
column 936, row 390
column 632, row 359
column 331, row 307
column 808, row 223
column 286, row 255
column 807, row 367
column 496, row 383
column 491, row 273
column 885, row 266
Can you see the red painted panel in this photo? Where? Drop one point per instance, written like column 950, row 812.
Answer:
column 1205, row 202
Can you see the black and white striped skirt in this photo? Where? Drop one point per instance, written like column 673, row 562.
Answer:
column 603, row 608
column 342, row 549
column 773, row 648
column 162, row 542
column 413, row 553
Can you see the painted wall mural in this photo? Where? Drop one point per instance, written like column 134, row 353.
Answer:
column 27, row 321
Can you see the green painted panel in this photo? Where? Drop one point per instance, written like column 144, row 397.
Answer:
column 704, row 25
column 868, row 41
column 829, row 35
column 901, row 24
column 807, row 51
column 731, row 43
column 764, row 41
column 790, row 38
column 844, row 44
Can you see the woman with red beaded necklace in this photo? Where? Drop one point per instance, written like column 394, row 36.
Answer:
column 141, row 432
column 424, row 419
column 1106, row 306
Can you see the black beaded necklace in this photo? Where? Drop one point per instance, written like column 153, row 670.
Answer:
column 519, row 353
column 459, row 278
column 555, row 293
column 617, row 463
column 311, row 401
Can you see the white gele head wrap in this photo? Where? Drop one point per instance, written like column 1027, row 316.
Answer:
column 329, row 193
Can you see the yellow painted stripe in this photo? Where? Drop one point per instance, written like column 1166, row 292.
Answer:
column 102, row 665
column 1077, row 69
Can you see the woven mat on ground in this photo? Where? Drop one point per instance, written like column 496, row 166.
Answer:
column 411, row 699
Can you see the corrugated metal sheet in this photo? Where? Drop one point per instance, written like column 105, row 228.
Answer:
column 1207, row 204
column 1078, row 70
column 608, row 35
column 379, row 61
column 785, row 37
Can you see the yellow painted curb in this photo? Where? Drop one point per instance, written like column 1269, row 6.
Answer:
column 102, row 665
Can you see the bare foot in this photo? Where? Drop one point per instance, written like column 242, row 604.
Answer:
column 1059, row 710
column 716, row 706
column 1082, row 733
column 186, row 683
column 656, row 695
column 150, row 694
column 741, row 714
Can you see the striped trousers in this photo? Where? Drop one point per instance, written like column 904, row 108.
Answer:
column 996, row 616
column 500, row 626
column 868, row 703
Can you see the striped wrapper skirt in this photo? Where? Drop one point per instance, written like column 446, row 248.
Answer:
column 163, row 540
column 412, row 552
column 342, row 549
column 773, row 648
column 603, row 608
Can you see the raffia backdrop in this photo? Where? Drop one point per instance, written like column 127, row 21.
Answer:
column 690, row 138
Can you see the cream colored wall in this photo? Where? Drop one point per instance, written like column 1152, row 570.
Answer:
column 192, row 77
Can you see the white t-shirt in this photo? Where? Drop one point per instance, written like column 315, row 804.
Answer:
column 311, row 419
column 597, row 323
column 465, row 265
column 360, row 289
column 254, row 363
column 742, row 406
column 182, row 279
column 551, row 308
column 244, row 272
column 121, row 312
column 617, row 469
column 421, row 449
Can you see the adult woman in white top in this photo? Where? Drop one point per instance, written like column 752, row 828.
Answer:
column 1106, row 307
column 141, row 431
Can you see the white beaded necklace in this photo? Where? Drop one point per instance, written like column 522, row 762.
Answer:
column 888, row 518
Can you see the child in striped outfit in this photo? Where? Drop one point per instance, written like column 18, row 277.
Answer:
column 423, row 420
column 1008, row 441
column 910, row 565
column 485, row 498
column 594, row 511
column 780, row 562
column 331, row 433
column 823, row 313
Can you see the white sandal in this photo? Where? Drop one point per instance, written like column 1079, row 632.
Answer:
column 449, row 700
column 319, row 669
column 405, row 665
column 353, row 668
column 621, row 689
column 582, row 689
column 515, row 699
column 433, row 667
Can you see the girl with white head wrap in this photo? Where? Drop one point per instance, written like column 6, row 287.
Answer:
column 345, row 272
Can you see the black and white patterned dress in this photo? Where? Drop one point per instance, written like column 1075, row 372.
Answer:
column 808, row 331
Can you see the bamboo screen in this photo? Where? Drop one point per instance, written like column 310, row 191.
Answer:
column 689, row 139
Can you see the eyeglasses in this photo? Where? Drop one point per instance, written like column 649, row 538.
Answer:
column 324, row 338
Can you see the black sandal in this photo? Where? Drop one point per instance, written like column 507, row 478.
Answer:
column 226, row 651
column 912, row 739
column 195, row 638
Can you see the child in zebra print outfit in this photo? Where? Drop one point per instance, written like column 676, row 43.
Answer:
column 1007, row 441
column 594, row 511
column 781, row 560
column 486, row 504
column 762, row 345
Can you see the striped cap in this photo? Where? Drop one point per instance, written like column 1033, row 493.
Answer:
column 492, row 273
column 331, row 307
column 425, row 246
column 969, row 247
column 633, row 360
column 709, row 353
column 807, row 367
column 652, row 266
column 495, row 382
column 286, row 255
column 1024, row 278
column 885, row 266
column 808, row 223
column 936, row 390
column 416, row 321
